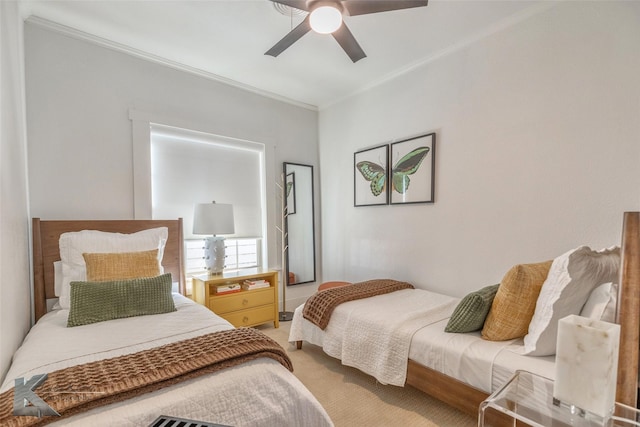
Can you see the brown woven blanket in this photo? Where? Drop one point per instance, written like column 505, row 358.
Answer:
column 83, row 387
column 320, row 306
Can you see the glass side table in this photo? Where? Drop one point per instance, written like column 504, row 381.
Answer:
column 528, row 398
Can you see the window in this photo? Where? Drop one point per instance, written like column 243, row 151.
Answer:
column 189, row 167
column 240, row 253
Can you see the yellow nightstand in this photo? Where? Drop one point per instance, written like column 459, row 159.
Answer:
column 244, row 308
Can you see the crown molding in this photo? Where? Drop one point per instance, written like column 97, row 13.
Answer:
column 119, row 47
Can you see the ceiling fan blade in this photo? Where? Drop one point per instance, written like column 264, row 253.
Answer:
column 303, row 28
column 297, row 4
column 363, row 7
column 345, row 38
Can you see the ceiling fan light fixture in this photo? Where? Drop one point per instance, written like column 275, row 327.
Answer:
column 325, row 19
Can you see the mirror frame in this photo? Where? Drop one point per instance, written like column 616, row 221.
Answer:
column 286, row 225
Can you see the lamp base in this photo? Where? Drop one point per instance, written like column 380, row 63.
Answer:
column 214, row 254
column 285, row 316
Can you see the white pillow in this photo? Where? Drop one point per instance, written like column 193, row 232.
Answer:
column 57, row 278
column 74, row 244
column 609, row 314
column 571, row 279
column 601, row 304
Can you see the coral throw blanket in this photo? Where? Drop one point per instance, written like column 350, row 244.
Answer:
column 79, row 388
column 319, row 306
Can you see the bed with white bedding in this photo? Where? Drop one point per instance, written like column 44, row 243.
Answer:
column 260, row 391
column 485, row 365
column 482, row 364
column 462, row 369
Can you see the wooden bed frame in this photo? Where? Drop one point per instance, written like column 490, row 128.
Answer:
column 467, row 398
column 46, row 250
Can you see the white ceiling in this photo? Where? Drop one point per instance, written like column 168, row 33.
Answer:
column 227, row 39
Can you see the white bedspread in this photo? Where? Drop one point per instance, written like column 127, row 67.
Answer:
column 261, row 392
column 483, row 364
column 374, row 334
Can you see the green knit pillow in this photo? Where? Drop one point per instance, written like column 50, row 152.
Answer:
column 93, row 302
column 472, row 310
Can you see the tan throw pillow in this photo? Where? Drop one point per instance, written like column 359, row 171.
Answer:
column 515, row 302
column 122, row 265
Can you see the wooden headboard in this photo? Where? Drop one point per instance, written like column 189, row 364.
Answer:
column 46, row 251
column 628, row 311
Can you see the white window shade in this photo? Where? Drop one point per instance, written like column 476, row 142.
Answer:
column 189, row 167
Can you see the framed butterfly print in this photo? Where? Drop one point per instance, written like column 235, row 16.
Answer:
column 412, row 174
column 290, row 189
column 370, row 176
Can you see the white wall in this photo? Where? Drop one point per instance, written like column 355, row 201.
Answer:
column 79, row 96
column 15, row 312
column 538, row 151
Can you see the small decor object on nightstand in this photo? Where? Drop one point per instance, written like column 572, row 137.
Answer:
column 255, row 284
column 213, row 218
column 226, row 289
column 587, row 364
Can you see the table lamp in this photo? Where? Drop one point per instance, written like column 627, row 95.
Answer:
column 213, row 218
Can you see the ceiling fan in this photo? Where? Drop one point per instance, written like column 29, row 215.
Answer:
column 325, row 17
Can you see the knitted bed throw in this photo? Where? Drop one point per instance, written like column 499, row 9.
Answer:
column 79, row 388
column 320, row 306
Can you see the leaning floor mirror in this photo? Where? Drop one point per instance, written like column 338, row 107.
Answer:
column 299, row 224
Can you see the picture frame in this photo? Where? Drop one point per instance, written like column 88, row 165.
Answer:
column 412, row 177
column 370, row 167
column 290, row 192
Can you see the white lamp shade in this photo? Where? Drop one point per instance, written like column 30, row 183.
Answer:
column 325, row 19
column 213, row 218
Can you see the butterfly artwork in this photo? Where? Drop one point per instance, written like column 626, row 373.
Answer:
column 407, row 165
column 412, row 176
column 370, row 176
column 376, row 173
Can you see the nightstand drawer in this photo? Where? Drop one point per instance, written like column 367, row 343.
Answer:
column 241, row 300
column 251, row 317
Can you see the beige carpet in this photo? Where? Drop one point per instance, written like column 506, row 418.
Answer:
column 353, row 398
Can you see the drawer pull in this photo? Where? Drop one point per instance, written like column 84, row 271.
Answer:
column 245, row 301
column 245, row 319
